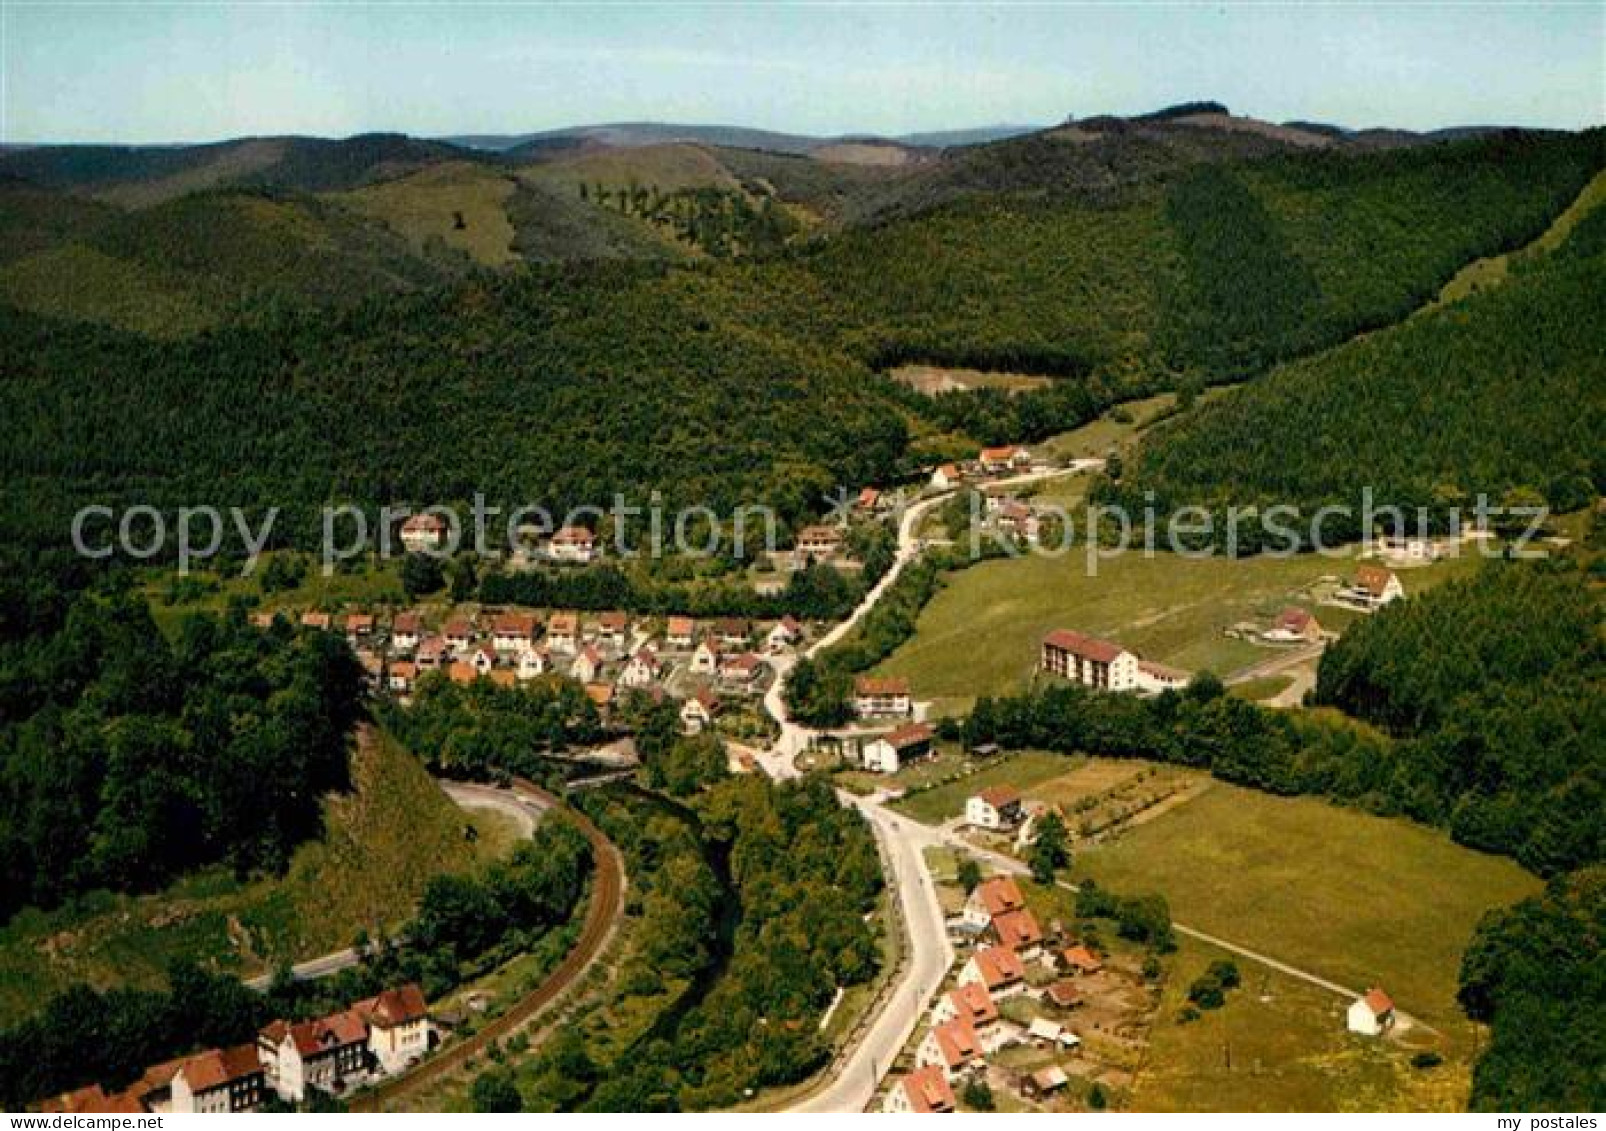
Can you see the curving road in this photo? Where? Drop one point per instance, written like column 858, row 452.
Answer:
column 903, row 843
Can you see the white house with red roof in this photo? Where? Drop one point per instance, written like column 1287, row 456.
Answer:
column 398, row 1026
column 1371, row 1014
column 896, row 749
column 881, row 696
column 679, row 632
column 642, row 670
column 533, row 663
column 924, row 1091
column 995, row 808
column 698, row 712
column 997, row 968
column 970, row 1002
column 587, row 665
column 513, row 632
column 1089, row 661
column 705, row 659
column 563, row 632
column 997, row 895
column 947, row 476
column 405, row 631
column 953, row 1047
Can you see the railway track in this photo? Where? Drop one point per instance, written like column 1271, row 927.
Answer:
column 602, row 913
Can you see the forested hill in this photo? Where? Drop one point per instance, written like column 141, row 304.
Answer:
column 718, row 382
column 1503, row 392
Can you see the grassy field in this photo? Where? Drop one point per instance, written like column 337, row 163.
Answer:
column 1116, row 429
column 948, row 800
column 1481, row 274
column 383, row 842
column 1361, row 900
column 935, row 379
column 1279, row 1044
column 460, row 204
column 980, row 634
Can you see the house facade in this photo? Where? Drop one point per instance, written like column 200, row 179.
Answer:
column 1089, row 661
column 996, row 809
column 881, row 697
column 890, row 752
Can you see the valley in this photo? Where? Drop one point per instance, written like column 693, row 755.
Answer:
column 905, row 811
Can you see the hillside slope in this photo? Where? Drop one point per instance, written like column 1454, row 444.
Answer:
column 1504, row 389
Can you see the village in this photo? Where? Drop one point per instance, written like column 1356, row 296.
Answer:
column 1033, row 1013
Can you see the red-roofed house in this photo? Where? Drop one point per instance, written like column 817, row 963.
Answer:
column 997, row 808
column 890, row 752
column 322, row 1054
column 513, row 632
column 1371, row 1014
column 572, row 544
column 1018, row 930
column 881, row 697
column 1295, row 625
column 923, row 1091
column 679, row 632
column 996, row 967
column 459, row 632
column 404, row 631
column 1373, row 587
column 954, row 1047
column 398, row 1026
column 421, row 532
column 741, row 669
column 820, row 543
column 1007, row 458
column 219, row 1082
column 992, row 897
column 698, row 712
column 970, row 1002
column 642, row 670
column 1089, row 661
column 946, row 476
column 563, row 632
column 1080, row 960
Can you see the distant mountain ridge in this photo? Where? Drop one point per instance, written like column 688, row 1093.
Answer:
column 631, row 134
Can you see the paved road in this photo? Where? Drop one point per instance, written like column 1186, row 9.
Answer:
column 903, row 843
column 524, row 809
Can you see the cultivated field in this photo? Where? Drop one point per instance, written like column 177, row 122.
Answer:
column 942, row 802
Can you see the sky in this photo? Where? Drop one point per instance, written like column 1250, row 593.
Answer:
column 155, row 72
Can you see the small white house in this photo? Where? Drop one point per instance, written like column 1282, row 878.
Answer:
column 1371, row 1014
column 705, row 660
column 890, row 752
column 587, row 665
column 642, row 670
column 946, row 477
column 996, row 809
column 573, row 544
column 534, row 662
column 423, row 532
column 697, row 713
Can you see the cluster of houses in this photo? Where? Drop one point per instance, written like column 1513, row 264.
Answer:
column 966, row 1025
column 372, row 1039
column 606, row 652
column 1104, row 665
column 1009, row 459
column 571, row 545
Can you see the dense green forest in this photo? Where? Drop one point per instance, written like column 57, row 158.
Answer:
column 1536, row 973
column 1495, row 686
column 126, row 760
column 755, row 381
column 1502, row 394
column 463, row 927
column 765, row 942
